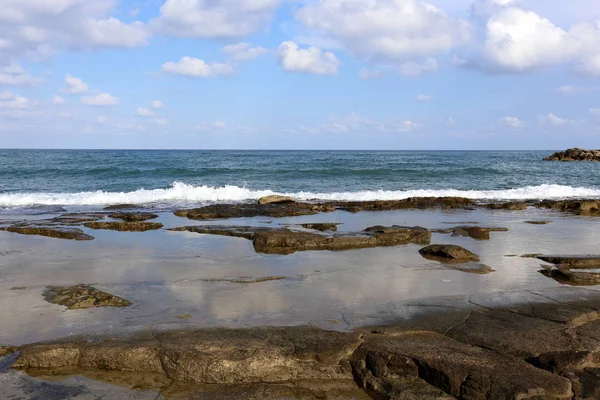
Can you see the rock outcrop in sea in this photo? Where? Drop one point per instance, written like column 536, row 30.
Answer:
column 575, row 154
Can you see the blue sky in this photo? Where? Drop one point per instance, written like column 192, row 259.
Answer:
column 310, row 74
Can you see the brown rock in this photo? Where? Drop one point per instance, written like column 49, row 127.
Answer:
column 575, row 154
column 82, row 296
column 53, row 232
column 448, row 251
column 578, row 262
column 133, row 217
column 513, row 206
column 6, row 350
column 276, row 199
column 580, row 207
column 323, row 227
column 120, row 206
column 473, row 268
column 124, row 226
column 538, row 222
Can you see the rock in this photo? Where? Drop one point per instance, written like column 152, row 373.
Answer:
column 286, row 241
column 124, row 226
column 576, row 262
column 133, row 217
column 6, row 350
column 568, row 276
column 473, row 268
column 538, row 222
column 248, row 280
column 82, row 296
column 410, row 203
column 120, row 207
column 579, row 207
column 210, row 356
column 458, row 369
column 323, row 227
column 53, row 232
column 450, row 252
column 475, row 232
column 575, row 154
column 275, row 199
column 512, row 206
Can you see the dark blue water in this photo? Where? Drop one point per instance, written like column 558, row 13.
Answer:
column 95, row 177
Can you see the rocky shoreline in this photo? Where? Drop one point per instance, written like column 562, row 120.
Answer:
column 542, row 345
column 575, row 154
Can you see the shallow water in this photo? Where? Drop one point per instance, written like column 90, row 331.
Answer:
column 161, row 272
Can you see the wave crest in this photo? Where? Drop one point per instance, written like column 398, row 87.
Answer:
column 181, row 193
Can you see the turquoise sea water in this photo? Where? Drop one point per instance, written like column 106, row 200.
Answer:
column 174, row 178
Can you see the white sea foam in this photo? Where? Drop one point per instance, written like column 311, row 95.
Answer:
column 181, row 193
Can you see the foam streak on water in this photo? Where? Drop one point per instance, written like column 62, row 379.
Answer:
column 181, row 193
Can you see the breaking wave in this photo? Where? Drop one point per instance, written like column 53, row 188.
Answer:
column 181, row 193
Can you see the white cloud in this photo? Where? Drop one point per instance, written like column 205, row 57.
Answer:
column 58, row 100
column 210, row 126
column 145, row 112
column 64, row 114
column 157, row 104
column 134, row 12
column 160, row 121
column 385, row 31
column 366, row 73
column 519, row 40
column 100, row 100
column 595, row 111
column 409, row 125
column 38, row 30
column 311, row 60
column 75, row 85
column 512, row 122
column 243, row 51
column 566, row 89
column 101, row 119
column 428, row 66
column 552, row 119
column 213, row 19
column 422, row 97
column 11, row 101
column 196, row 68
column 15, row 75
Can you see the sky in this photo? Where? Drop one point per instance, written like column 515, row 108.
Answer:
column 300, row 74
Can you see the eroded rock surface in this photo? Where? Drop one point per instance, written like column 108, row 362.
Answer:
column 133, row 217
column 323, row 227
column 449, row 252
column 575, row 154
column 473, row 268
column 4, row 350
column 579, row 207
column 512, row 206
column 124, row 226
column 475, row 232
column 82, row 296
column 50, row 231
column 286, row 241
column 276, row 199
column 572, row 270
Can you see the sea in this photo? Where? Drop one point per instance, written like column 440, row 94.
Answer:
column 40, row 180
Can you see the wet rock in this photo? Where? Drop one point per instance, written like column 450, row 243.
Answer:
column 579, row 207
column 575, row 154
column 120, row 207
column 512, row 206
column 569, row 276
column 578, row 262
column 82, row 296
column 323, row 227
column 450, row 252
column 6, row 350
column 411, row 203
column 475, row 232
column 538, row 222
column 209, row 356
column 559, row 362
column 275, row 199
column 133, row 217
column 458, row 369
column 124, row 226
column 224, row 211
column 473, row 268
column 74, row 219
column 53, row 232
column 286, row 241
column 245, row 280
column 18, row 288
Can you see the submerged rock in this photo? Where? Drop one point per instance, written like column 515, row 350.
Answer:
column 133, row 217
column 575, row 154
column 475, row 232
column 538, row 222
column 323, row 227
column 473, row 268
column 448, row 251
column 49, row 231
column 82, row 296
column 512, row 206
column 124, row 226
column 246, row 280
column 286, row 241
column 275, row 199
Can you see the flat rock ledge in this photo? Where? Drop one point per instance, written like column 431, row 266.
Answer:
column 124, row 226
column 133, row 216
column 49, row 231
column 572, row 270
column 82, row 296
column 475, row 232
column 575, row 154
column 276, row 199
column 286, row 241
column 540, row 348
